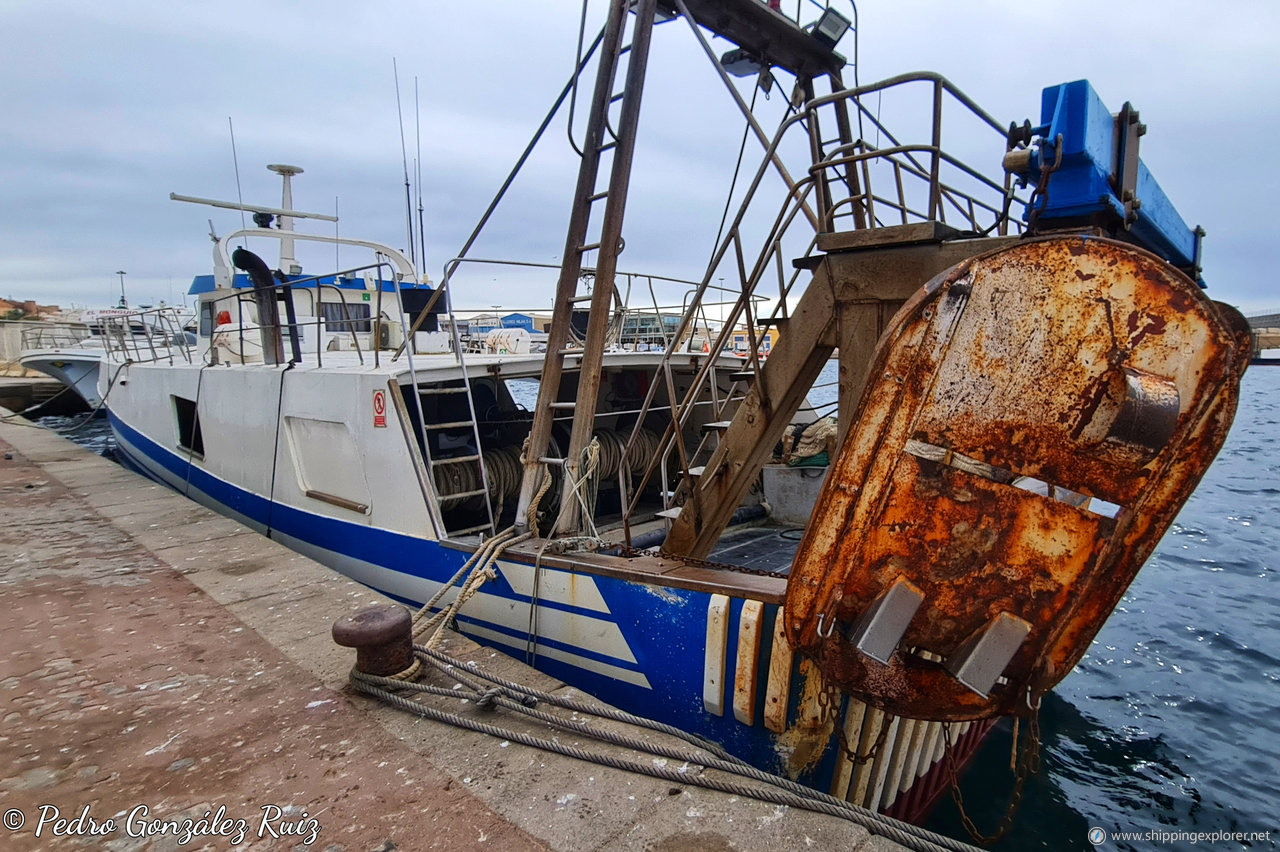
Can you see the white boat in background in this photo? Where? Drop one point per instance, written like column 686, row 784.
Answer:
column 73, row 352
column 68, row 352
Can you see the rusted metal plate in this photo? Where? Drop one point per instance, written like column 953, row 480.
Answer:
column 1084, row 369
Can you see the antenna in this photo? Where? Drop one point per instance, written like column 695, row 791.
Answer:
column 417, row 164
column 404, row 159
column 236, row 161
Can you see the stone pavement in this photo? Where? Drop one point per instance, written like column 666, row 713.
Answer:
column 164, row 663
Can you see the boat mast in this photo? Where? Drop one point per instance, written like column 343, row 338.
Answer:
column 288, row 263
column 770, row 39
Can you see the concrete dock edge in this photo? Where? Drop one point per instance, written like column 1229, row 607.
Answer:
column 164, row 656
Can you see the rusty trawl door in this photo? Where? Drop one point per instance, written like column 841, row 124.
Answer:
column 1034, row 420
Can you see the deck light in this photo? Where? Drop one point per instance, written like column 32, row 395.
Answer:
column 740, row 63
column 831, row 27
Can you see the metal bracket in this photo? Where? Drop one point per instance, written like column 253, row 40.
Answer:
column 982, row 658
column 878, row 631
column 1124, row 168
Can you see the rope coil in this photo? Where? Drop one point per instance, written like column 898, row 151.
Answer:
column 490, row 693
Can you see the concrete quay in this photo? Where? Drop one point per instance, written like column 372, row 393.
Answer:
column 163, row 662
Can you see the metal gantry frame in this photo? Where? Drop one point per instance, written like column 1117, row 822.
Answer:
column 839, row 188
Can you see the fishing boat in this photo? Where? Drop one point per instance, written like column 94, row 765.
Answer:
column 1030, row 384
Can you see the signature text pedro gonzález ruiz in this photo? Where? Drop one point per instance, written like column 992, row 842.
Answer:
column 273, row 821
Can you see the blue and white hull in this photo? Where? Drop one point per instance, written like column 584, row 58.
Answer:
column 638, row 646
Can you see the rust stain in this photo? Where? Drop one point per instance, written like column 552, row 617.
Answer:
column 803, row 743
column 1085, row 364
column 1155, row 325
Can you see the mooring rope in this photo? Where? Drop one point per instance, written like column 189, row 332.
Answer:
column 521, row 699
column 473, row 574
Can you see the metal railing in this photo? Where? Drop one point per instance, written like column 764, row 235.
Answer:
column 925, row 181
column 898, row 184
column 57, row 335
column 362, row 332
column 146, row 337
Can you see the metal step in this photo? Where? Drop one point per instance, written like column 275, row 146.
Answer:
column 454, row 460
column 467, row 530
column 455, row 424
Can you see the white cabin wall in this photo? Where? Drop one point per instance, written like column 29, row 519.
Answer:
column 238, row 419
column 386, row 473
column 238, row 407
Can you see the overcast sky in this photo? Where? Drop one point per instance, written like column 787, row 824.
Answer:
column 106, row 108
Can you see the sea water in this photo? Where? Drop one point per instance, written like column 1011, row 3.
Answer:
column 1170, row 725
column 91, row 431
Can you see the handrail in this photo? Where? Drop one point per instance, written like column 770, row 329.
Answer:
column 162, row 333
column 932, row 171
column 56, row 335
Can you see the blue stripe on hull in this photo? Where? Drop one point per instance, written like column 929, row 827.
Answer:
column 664, row 627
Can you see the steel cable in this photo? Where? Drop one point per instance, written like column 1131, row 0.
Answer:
column 781, row 791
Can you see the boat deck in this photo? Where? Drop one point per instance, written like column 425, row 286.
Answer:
column 764, row 548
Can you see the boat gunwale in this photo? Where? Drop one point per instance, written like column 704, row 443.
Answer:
column 649, row 569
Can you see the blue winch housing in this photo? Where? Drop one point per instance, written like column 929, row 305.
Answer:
column 1099, row 175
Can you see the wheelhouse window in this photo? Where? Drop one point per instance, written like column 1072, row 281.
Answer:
column 206, row 318
column 348, row 318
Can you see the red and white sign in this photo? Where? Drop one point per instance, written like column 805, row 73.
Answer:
column 380, row 408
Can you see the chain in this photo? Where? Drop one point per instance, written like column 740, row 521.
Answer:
column 1041, row 192
column 829, row 700
column 626, row 550
column 1028, row 764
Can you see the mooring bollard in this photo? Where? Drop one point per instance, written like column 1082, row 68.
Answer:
column 382, row 637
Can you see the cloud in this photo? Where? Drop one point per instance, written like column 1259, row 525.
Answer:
column 110, row 107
